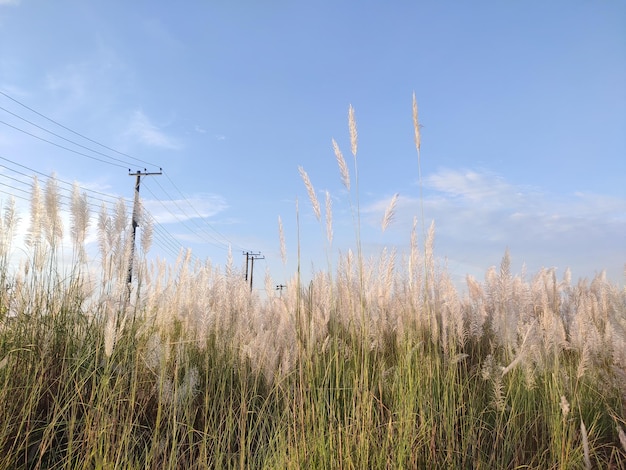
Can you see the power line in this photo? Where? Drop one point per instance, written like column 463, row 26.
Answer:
column 183, row 223
column 64, row 138
column 216, row 243
column 16, row 189
column 198, row 214
column 113, row 197
column 77, row 133
column 219, row 243
column 62, row 147
column 14, row 195
column 169, row 241
column 162, row 237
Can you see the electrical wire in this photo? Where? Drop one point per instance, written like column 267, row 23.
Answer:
column 61, row 146
column 229, row 243
column 161, row 236
column 221, row 244
column 113, row 198
column 169, row 241
column 222, row 241
column 182, row 222
column 77, row 133
column 61, row 137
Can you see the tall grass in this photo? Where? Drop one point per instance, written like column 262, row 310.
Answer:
column 377, row 363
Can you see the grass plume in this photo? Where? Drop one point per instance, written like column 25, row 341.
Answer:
column 380, row 363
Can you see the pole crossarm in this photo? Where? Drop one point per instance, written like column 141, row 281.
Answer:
column 250, row 257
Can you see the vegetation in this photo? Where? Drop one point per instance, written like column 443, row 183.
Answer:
column 377, row 363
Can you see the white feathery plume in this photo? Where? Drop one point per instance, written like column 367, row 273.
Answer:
column 522, row 350
column 269, row 284
column 343, row 166
column 329, row 218
column 147, row 231
column 104, row 229
column 390, row 212
column 36, row 215
column 585, row 439
column 353, row 132
column 109, row 335
column 283, row 246
column 7, row 227
column 416, row 125
column 413, row 256
column 121, row 217
column 54, row 225
column 79, row 220
column 309, row 187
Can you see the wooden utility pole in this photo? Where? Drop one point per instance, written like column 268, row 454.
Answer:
column 280, row 288
column 250, row 257
column 135, row 222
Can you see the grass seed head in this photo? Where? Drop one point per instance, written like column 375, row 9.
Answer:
column 343, row 166
column 353, row 132
column 390, row 212
column 416, row 125
column 312, row 196
column 283, row 246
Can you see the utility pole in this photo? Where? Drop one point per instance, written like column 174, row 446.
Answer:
column 135, row 222
column 280, row 288
column 250, row 257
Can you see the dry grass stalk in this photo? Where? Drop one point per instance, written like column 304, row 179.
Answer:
column 416, row 125
column 202, row 300
column 343, row 166
column 353, row 132
column 283, row 246
column 36, row 215
column 585, row 439
column 312, row 196
column 147, row 232
column 329, row 218
column 54, row 225
column 79, row 220
column 390, row 212
column 7, row 227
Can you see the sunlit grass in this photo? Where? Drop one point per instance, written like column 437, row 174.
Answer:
column 377, row 363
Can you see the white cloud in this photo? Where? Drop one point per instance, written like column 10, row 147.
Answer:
column 173, row 211
column 10, row 2
column 478, row 215
column 147, row 133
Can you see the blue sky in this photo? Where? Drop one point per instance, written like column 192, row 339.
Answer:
column 523, row 107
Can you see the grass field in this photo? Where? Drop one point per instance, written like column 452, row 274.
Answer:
column 376, row 363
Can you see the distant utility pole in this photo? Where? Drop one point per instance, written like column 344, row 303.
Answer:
column 280, row 288
column 135, row 222
column 250, row 257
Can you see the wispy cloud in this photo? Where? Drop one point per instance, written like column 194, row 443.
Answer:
column 148, row 133
column 173, row 211
column 479, row 214
column 10, row 2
